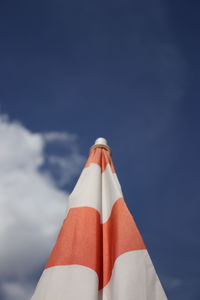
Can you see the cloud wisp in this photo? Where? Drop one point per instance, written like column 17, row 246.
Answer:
column 32, row 206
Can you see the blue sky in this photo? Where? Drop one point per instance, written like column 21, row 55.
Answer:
column 125, row 70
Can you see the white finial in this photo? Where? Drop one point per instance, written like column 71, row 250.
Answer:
column 101, row 141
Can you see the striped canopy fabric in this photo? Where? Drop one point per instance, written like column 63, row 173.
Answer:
column 99, row 253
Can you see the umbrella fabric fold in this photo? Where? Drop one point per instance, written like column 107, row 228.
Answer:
column 99, row 253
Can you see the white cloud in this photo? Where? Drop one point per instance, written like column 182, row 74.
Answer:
column 59, row 136
column 16, row 290
column 32, row 207
column 67, row 168
column 172, row 283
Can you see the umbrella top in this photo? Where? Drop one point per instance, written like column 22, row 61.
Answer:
column 102, row 143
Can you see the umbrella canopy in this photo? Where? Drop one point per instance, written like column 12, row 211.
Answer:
column 99, row 253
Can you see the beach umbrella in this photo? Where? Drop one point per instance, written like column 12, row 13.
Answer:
column 99, row 253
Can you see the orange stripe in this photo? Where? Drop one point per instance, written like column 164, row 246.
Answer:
column 102, row 157
column 83, row 240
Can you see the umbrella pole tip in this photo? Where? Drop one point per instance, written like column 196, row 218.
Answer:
column 101, row 141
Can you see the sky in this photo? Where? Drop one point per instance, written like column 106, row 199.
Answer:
column 71, row 72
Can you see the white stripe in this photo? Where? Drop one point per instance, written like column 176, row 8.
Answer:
column 96, row 189
column 133, row 278
column 72, row 282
